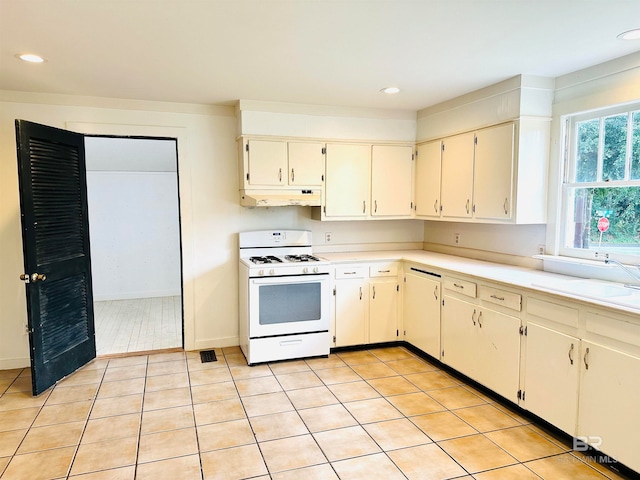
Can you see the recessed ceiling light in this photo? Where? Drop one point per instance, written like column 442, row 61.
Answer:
column 390, row 90
column 630, row 35
column 30, row 57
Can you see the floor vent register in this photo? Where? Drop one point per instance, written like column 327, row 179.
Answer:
column 208, row 356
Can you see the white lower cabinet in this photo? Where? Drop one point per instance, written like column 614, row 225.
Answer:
column 552, row 369
column 481, row 342
column 459, row 346
column 498, row 361
column 421, row 312
column 366, row 303
column 351, row 306
column 609, row 411
column 383, row 310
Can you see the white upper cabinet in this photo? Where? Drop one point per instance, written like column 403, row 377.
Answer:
column 279, row 163
column 365, row 181
column 306, row 163
column 427, row 179
column 267, row 163
column 347, row 189
column 457, row 176
column 391, row 169
column 493, row 172
column 496, row 174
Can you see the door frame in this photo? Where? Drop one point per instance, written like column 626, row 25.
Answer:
column 175, row 140
column 187, row 251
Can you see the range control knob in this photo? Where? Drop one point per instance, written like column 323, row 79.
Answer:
column 261, row 272
column 315, row 269
column 272, row 272
column 305, row 270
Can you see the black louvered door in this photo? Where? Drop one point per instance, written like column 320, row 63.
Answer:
column 55, row 238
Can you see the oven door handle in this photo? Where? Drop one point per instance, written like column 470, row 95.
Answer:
column 284, row 279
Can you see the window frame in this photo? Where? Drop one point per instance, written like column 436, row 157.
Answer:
column 568, row 175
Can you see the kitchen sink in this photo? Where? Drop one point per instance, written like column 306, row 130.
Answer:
column 597, row 290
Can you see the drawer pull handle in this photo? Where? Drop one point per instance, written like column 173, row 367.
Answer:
column 479, row 317
column 384, row 271
column 286, row 343
column 350, row 273
column 586, row 359
column 571, row 354
column 458, row 286
column 498, row 298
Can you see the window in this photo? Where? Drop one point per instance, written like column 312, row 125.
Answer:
column 601, row 188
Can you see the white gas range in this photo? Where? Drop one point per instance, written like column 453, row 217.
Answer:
column 284, row 296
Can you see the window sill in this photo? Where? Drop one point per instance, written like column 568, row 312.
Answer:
column 582, row 268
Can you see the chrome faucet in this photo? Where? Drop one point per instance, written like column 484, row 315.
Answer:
column 632, row 273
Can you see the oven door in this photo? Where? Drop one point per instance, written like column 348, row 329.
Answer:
column 289, row 304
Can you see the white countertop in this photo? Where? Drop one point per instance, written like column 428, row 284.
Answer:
column 508, row 275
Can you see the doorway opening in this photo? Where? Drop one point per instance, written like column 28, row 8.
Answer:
column 134, row 227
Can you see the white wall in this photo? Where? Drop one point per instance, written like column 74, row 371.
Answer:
column 134, row 233
column 132, row 187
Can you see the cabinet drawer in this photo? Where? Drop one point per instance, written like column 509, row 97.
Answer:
column 384, row 270
column 351, row 272
column 461, row 286
column 551, row 311
column 501, row 297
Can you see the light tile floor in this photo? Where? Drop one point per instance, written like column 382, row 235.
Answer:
column 138, row 324
column 377, row 414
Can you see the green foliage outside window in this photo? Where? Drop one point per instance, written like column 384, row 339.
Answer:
column 607, row 150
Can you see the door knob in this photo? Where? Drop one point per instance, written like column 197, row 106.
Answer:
column 34, row 277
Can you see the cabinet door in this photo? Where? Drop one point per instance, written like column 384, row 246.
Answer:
column 551, row 376
column 347, row 183
column 493, row 172
column 427, row 179
column 609, row 413
column 383, row 311
column 459, row 349
column 498, row 362
column 422, row 313
column 306, row 163
column 457, row 176
column 391, row 180
column 351, row 325
column 267, row 162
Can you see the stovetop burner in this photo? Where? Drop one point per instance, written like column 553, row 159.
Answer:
column 301, row 258
column 265, row 259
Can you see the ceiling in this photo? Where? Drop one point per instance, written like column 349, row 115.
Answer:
column 325, row 52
